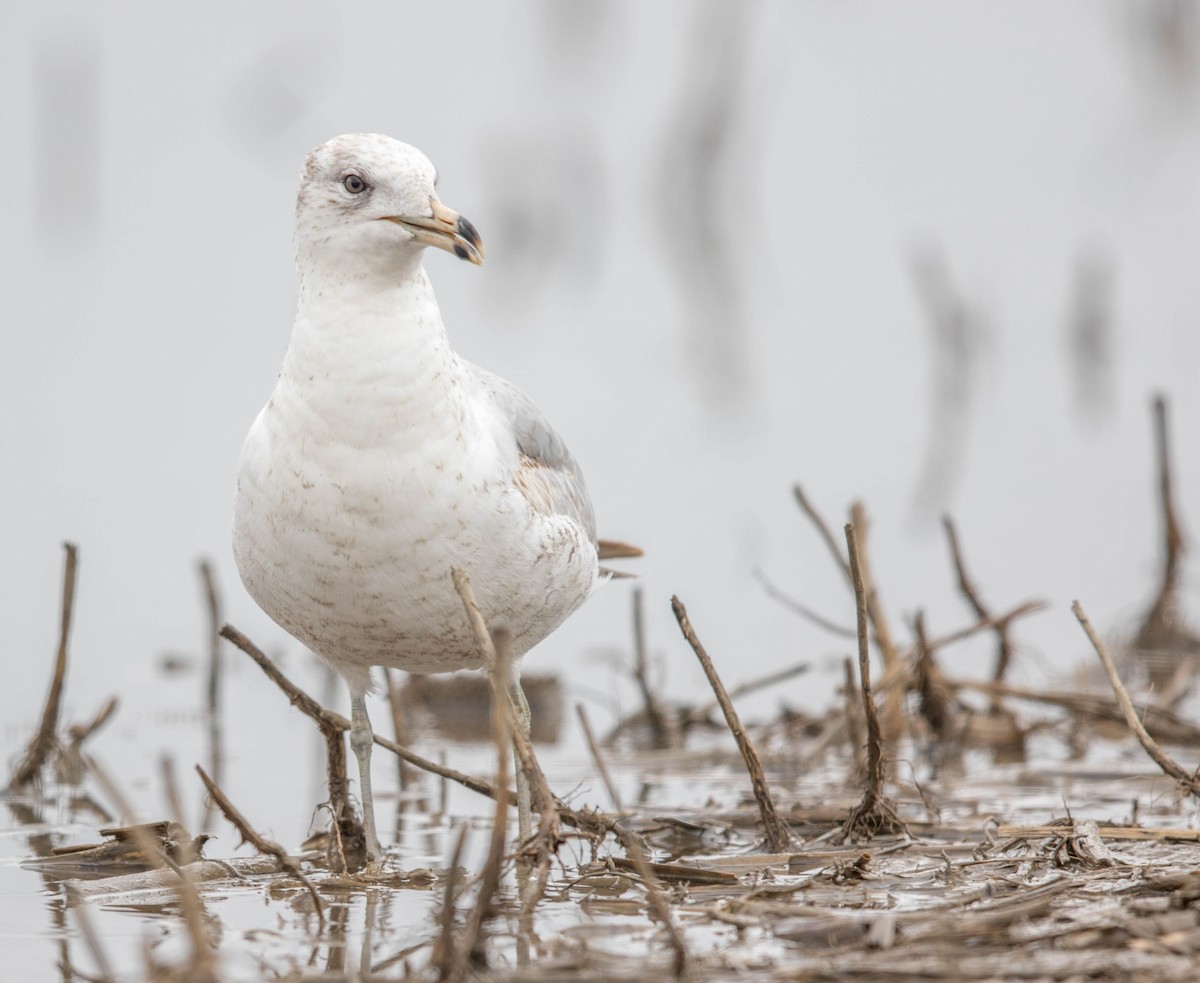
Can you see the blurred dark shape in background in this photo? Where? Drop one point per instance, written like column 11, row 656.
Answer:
column 277, row 93
column 545, row 181
column 1090, row 337
column 957, row 333
column 1164, row 38
column 703, row 196
column 67, row 92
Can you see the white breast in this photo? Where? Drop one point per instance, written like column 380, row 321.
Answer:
column 365, row 479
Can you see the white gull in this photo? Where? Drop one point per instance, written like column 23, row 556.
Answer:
column 382, row 459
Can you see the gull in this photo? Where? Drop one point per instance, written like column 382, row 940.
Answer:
column 383, row 460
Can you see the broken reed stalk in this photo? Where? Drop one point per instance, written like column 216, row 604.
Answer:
column 260, row 843
column 499, row 669
column 804, row 611
column 399, row 726
column 1022, row 609
column 201, row 966
column 580, row 819
column 87, row 929
column 655, row 898
column 893, row 716
column 853, row 720
column 594, row 749
column 873, row 813
column 545, row 840
column 823, row 530
column 1160, row 623
column 216, row 755
column 661, row 735
column 971, row 593
column 445, row 952
column 489, row 880
column 44, row 740
column 700, row 714
column 348, row 837
column 779, row 837
column 1159, row 723
column 1149, row 744
column 930, row 684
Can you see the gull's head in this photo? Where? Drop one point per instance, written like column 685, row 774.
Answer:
column 369, row 203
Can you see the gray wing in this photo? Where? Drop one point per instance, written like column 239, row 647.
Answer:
column 547, row 474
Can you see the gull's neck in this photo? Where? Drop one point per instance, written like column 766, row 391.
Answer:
column 369, row 355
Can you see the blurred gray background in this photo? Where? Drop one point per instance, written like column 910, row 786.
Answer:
column 934, row 255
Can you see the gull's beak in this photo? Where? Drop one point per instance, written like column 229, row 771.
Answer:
column 447, row 230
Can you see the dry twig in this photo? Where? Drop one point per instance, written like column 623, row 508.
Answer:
column 260, row 843
column 201, row 966
column 663, row 735
column 1163, row 629
column 874, row 813
column 655, row 898
column 1149, row 744
column 348, row 844
column 969, row 591
column 216, row 755
column 893, row 716
column 601, row 767
column 779, row 837
column 44, row 740
column 499, row 672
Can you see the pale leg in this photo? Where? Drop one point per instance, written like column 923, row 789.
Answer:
column 524, row 807
column 361, row 739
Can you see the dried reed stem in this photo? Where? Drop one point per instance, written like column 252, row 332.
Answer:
column 445, row 952
column 662, row 735
column 779, row 837
column 202, row 957
column 893, row 717
column 873, row 813
column 601, row 767
column 970, row 592
column 655, row 898
column 496, row 658
column 1149, row 744
column 346, row 826
column 216, row 754
column 1161, row 624
column 260, row 843
column 44, row 740
column 823, row 530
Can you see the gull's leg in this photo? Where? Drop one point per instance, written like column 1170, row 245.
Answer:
column 524, row 807
column 361, row 740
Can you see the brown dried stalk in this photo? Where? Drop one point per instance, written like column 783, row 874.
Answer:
column 216, row 755
column 589, row 822
column 1163, row 627
column 1149, row 744
column 655, row 898
column 349, row 840
column 662, row 735
column 594, row 749
column 445, row 952
column 44, row 740
column 201, row 966
column 779, row 837
column 260, row 843
column 874, row 813
column 823, row 530
column 971, row 593
column 496, row 659
column 893, row 716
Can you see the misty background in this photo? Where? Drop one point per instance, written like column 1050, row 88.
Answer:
column 935, row 256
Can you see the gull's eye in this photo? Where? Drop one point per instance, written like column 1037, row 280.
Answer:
column 354, row 184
